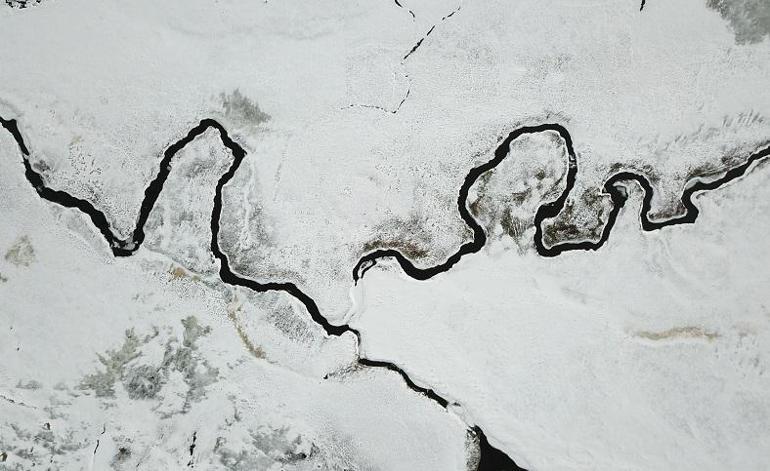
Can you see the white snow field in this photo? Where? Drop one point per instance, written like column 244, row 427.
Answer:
column 360, row 121
column 117, row 363
column 651, row 353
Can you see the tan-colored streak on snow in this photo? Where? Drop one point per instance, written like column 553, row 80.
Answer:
column 255, row 350
column 178, row 273
column 688, row 332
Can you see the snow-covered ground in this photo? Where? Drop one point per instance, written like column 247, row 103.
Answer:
column 119, row 363
column 652, row 353
column 361, row 121
column 101, row 89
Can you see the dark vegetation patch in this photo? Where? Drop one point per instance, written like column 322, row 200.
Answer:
column 21, row 4
column 288, row 321
column 730, row 158
column 582, row 219
column 41, row 166
column 668, row 187
column 708, row 169
column 562, row 231
column 507, row 197
column 647, row 170
column 121, row 457
column 668, row 204
column 667, row 207
column 476, row 207
column 406, row 236
column 514, row 226
column 406, row 247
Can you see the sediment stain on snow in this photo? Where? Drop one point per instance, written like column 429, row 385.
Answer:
column 677, row 333
column 232, row 313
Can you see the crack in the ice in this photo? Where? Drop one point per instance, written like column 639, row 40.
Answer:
column 16, row 402
column 96, row 448
column 407, row 9
column 382, row 108
column 420, row 41
column 403, row 60
column 192, row 449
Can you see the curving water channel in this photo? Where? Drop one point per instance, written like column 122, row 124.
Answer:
column 491, row 458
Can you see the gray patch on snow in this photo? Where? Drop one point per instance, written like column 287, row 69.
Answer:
column 749, row 19
column 21, row 252
column 145, row 381
column 31, row 385
column 241, row 111
column 114, row 361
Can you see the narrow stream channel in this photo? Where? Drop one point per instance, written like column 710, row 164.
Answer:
column 491, row 458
